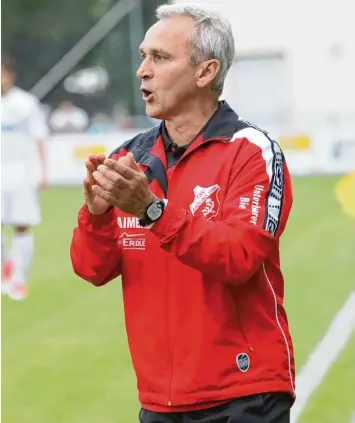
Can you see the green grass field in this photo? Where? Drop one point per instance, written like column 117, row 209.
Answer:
column 64, row 351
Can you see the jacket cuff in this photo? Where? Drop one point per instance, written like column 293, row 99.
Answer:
column 96, row 220
column 166, row 228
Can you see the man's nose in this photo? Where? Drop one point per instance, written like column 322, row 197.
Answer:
column 144, row 70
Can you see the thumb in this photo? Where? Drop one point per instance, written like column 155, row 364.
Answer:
column 130, row 162
column 87, row 182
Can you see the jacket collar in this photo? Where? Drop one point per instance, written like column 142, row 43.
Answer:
column 222, row 125
column 150, row 148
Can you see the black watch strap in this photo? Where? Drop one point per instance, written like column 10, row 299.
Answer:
column 153, row 212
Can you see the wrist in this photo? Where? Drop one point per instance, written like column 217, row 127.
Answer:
column 142, row 211
column 98, row 220
column 93, row 213
column 153, row 212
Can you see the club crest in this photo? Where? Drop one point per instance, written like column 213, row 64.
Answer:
column 243, row 362
column 206, row 201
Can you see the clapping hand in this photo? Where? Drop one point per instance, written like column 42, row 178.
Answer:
column 121, row 183
column 95, row 203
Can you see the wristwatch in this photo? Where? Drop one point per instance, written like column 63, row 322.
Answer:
column 153, row 212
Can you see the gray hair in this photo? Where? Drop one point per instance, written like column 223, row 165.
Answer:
column 211, row 39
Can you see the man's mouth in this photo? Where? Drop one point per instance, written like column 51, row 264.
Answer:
column 147, row 95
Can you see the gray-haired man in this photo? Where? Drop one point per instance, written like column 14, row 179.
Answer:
column 190, row 215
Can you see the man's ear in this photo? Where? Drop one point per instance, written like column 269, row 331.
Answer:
column 207, row 72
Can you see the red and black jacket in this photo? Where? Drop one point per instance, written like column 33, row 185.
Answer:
column 203, row 290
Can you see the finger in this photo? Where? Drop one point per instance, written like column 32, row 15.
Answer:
column 96, row 159
column 101, row 180
column 130, row 162
column 92, row 158
column 90, row 166
column 114, row 177
column 97, row 190
column 87, row 186
column 101, row 158
column 121, row 168
column 122, row 159
column 89, row 176
column 135, row 167
column 108, row 185
column 87, row 183
column 129, row 159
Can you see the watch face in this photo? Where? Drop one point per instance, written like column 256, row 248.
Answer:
column 155, row 211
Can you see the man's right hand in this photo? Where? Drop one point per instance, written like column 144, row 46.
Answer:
column 96, row 205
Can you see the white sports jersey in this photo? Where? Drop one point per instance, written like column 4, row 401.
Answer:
column 23, row 124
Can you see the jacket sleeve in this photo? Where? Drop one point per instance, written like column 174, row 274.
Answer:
column 254, row 212
column 94, row 250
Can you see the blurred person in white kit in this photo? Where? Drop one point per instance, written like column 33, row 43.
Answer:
column 68, row 118
column 23, row 132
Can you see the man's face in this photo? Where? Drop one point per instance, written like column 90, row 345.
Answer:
column 7, row 79
column 168, row 78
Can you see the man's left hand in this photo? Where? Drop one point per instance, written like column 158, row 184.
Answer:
column 123, row 185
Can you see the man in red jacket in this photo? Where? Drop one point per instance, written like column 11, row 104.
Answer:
column 190, row 214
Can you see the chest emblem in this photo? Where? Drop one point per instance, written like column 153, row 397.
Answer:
column 206, row 201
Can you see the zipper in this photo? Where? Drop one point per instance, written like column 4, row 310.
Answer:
column 245, row 336
column 183, row 157
column 167, row 339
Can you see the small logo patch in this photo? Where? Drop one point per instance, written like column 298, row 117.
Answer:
column 206, row 201
column 243, row 362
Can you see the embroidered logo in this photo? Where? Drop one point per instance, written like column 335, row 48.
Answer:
column 206, row 201
column 243, row 362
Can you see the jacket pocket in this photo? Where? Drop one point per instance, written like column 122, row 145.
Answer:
column 243, row 330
